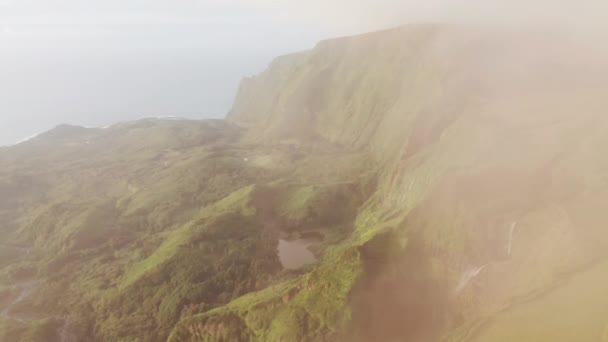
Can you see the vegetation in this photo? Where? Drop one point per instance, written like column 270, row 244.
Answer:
column 162, row 233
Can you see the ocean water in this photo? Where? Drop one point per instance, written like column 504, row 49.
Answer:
column 36, row 94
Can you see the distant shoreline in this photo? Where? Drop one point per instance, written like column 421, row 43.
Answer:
column 158, row 117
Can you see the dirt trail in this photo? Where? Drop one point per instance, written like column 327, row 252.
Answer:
column 25, row 288
column 25, row 291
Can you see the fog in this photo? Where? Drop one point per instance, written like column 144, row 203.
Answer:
column 467, row 159
column 95, row 63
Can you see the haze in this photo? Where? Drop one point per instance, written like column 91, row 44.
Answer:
column 443, row 180
column 97, row 62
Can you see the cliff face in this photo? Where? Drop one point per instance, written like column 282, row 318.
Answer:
column 376, row 89
column 489, row 154
column 345, row 90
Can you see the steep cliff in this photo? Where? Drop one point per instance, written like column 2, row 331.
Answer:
column 488, row 150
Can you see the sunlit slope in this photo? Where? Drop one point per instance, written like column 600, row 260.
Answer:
column 117, row 233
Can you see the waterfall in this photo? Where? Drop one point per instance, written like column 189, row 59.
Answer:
column 510, row 242
column 467, row 277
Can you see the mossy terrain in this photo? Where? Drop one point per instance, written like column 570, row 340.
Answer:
column 123, row 244
column 458, row 197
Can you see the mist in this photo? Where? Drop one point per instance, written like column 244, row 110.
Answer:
column 424, row 171
column 97, row 63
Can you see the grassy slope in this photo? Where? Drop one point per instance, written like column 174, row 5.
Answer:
column 168, row 229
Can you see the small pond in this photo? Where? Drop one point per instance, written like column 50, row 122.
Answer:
column 295, row 254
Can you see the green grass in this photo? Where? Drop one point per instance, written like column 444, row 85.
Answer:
column 238, row 201
column 165, row 252
column 308, row 307
column 312, row 306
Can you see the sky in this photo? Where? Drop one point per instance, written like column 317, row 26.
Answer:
column 96, row 62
